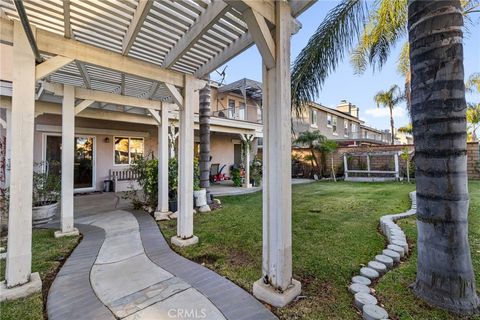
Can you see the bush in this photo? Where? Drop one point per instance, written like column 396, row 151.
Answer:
column 236, row 177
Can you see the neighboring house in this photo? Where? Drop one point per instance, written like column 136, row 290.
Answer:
column 341, row 124
column 109, row 137
column 403, row 138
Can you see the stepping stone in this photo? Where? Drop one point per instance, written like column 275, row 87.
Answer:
column 377, row 266
column 363, row 298
column 401, row 243
column 392, row 254
column 361, row 280
column 385, row 260
column 357, row 287
column 369, row 273
column 396, row 248
column 374, row 312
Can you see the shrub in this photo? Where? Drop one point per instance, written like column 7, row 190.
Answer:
column 236, row 177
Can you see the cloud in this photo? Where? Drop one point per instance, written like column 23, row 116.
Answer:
column 385, row 113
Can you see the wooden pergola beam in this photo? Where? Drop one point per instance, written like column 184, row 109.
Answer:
column 265, row 8
column 139, row 17
column 261, row 35
column 51, row 43
column 50, row 66
column 212, row 14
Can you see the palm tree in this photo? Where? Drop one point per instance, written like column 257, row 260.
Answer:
column 390, row 99
column 406, row 129
column 204, row 126
column 445, row 276
column 311, row 139
column 473, row 118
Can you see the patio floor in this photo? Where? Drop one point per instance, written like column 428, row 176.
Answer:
column 124, row 269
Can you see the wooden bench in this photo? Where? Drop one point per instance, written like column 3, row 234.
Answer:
column 124, row 180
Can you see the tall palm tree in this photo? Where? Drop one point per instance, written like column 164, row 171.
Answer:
column 473, row 118
column 312, row 140
column 445, row 276
column 390, row 99
column 204, row 126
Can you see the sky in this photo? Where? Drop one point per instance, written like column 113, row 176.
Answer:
column 343, row 84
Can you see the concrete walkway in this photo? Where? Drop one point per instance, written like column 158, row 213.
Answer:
column 124, row 269
column 226, row 188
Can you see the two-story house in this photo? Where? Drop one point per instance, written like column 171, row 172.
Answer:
column 342, row 124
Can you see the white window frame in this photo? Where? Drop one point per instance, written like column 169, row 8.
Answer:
column 313, row 118
column 329, row 120
column 346, row 130
column 335, row 125
column 129, row 156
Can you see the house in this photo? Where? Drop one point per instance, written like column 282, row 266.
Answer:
column 342, row 124
column 108, row 137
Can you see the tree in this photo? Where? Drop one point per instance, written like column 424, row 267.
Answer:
column 473, row 118
column 329, row 147
column 390, row 99
column 445, row 276
column 406, row 129
column 473, row 83
column 311, row 139
column 204, row 126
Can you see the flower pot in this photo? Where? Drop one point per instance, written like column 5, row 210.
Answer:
column 172, row 206
column 200, row 197
column 44, row 214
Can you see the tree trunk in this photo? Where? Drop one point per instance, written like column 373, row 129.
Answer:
column 445, row 276
column 392, row 126
column 204, row 126
column 317, row 166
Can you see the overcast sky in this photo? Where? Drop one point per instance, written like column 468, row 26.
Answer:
column 344, row 84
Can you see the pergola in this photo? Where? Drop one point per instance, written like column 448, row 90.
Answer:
column 139, row 56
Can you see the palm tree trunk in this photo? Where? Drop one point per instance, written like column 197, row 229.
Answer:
column 317, row 166
column 204, row 126
column 392, row 126
column 445, row 276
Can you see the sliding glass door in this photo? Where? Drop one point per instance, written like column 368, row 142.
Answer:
column 84, row 160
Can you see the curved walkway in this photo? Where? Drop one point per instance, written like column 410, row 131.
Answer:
column 124, row 269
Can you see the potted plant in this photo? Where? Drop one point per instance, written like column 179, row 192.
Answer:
column 45, row 193
column 199, row 194
column 256, row 172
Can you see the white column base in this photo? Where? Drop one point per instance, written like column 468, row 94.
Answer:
column 59, row 233
column 249, row 185
column 268, row 294
column 179, row 242
column 24, row 290
column 160, row 216
column 175, row 214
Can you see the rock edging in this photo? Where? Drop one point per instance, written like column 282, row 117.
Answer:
column 396, row 249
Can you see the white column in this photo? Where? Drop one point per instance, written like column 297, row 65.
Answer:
column 68, row 152
column 185, row 235
column 397, row 170
column 280, row 288
column 247, row 140
column 8, row 147
column 345, row 166
column 19, row 254
column 368, row 164
column 162, row 212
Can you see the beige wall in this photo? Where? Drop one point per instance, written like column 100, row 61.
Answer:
column 220, row 102
column 222, row 144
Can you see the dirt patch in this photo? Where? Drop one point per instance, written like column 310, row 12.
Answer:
column 208, row 259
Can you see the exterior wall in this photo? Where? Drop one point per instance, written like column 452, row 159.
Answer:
column 220, row 103
column 222, row 144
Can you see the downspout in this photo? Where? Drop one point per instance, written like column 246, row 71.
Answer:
column 22, row 14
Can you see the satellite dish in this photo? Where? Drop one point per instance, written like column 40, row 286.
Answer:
column 222, row 74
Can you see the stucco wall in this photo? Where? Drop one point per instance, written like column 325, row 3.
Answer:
column 222, row 150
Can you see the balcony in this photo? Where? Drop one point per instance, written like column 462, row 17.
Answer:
column 249, row 113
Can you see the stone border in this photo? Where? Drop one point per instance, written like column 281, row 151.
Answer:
column 396, row 249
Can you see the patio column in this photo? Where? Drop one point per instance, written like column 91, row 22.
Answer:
column 345, row 166
column 276, row 287
column 185, row 235
column 19, row 254
column 397, row 167
column 68, row 152
column 247, row 141
column 8, row 146
column 162, row 212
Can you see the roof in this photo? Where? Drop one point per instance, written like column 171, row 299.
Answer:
column 335, row 112
column 245, row 87
column 191, row 37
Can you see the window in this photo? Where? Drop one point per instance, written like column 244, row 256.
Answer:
column 241, row 111
column 334, row 124
column 127, row 150
column 231, row 109
column 345, row 127
column 353, row 128
column 313, row 118
column 329, row 120
column 365, row 133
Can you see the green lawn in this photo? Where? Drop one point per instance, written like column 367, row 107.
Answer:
column 48, row 254
column 334, row 233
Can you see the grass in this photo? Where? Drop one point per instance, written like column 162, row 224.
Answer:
column 48, row 254
column 334, row 233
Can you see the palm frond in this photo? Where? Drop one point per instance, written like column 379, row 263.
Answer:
column 324, row 50
column 387, row 24
column 473, row 83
